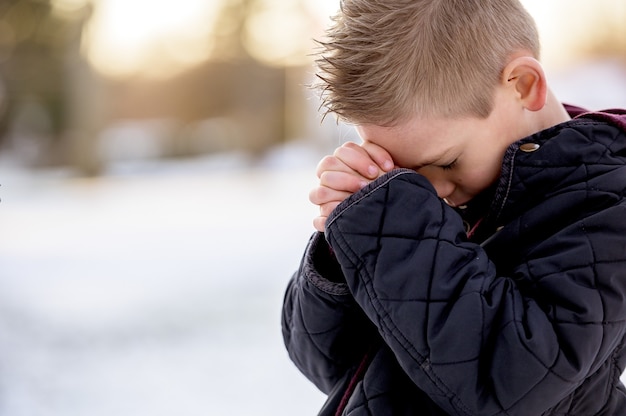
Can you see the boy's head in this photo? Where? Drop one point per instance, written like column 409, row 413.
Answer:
column 384, row 62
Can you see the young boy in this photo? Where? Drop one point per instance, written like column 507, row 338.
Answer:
column 473, row 260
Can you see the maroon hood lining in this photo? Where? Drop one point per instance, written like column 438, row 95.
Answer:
column 614, row 116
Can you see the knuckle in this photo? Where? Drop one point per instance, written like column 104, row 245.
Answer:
column 326, row 162
column 326, row 178
column 320, row 195
column 314, row 195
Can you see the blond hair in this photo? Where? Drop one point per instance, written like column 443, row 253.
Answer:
column 384, row 61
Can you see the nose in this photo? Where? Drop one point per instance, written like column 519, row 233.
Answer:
column 444, row 188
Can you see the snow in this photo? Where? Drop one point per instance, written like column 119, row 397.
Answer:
column 151, row 293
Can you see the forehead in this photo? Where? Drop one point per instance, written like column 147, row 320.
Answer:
column 418, row 141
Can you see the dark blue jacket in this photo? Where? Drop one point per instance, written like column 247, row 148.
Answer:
column 408, row 314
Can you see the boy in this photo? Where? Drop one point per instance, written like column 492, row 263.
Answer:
column 473, row 260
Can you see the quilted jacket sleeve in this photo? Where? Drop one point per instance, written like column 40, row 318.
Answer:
column 475, row 342
column 324, row 329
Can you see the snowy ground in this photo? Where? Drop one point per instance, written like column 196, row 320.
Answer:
column 151, row 293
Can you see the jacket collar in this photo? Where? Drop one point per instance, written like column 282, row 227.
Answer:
column 613, row 116
column 492, row 203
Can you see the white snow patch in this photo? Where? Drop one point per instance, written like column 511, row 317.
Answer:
column 150, row 294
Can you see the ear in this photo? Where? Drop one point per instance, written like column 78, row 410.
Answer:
column 525, row 76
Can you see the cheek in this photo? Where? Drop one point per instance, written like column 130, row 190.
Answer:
column 476, row 181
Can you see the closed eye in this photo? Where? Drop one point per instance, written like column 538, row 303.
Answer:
column 449, row 166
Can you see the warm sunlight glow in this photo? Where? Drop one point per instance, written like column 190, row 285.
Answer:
column 323, row 8
column 279, row 33
column 153, row 37
column 66, row 6
column 161, row 37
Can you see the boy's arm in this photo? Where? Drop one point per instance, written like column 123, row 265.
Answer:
column 325, row 331
column 472, row 340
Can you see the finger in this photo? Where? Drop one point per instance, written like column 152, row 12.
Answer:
column 327, row 209
column 379, row 155
column 356, row 158
column 321, row 195
column 342, row 181
column 319, row 223
column 331, row 163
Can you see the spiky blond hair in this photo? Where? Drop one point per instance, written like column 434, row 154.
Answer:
column 385, row 60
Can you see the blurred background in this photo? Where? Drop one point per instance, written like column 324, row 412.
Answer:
column 155, row 163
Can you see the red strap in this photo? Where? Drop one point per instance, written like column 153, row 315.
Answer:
column 358, row 376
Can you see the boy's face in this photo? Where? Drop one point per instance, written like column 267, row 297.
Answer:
column 460, row 157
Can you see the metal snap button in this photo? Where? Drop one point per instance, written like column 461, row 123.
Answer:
column 529, row 147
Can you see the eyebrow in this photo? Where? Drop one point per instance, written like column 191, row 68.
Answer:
column 433, row 161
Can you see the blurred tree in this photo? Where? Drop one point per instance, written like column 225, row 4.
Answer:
column 33, row 45
column 265, row 44
column 229, row 30
column 59, row 104
column 232, row 88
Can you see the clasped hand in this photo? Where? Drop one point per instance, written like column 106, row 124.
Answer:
column 347, row 170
